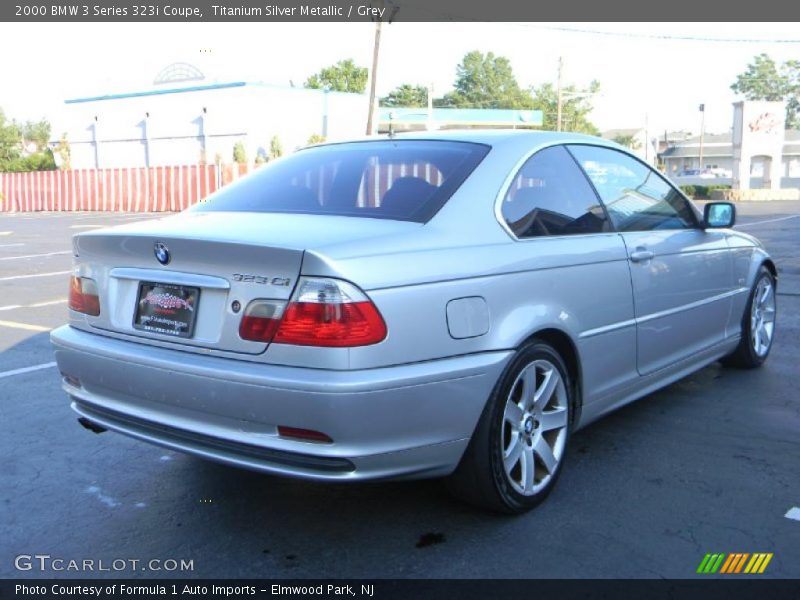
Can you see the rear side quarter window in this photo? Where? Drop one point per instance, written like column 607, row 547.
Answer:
column 549, row 196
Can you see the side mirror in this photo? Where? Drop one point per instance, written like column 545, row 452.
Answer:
column 719, row 215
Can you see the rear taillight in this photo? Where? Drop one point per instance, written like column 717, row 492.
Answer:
column 329, row 312
column 260, row 320
column 83, row 297
column 322, row 312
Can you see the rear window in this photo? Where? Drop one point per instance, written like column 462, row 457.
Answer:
column 407, row 180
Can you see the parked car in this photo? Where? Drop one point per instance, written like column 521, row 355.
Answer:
column 710, row 173
column 721, row 173
column 443, row 304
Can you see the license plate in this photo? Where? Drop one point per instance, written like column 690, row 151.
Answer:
column 166, row 309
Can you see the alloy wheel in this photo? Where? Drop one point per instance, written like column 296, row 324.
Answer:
column 762, row 316
column 534, row 428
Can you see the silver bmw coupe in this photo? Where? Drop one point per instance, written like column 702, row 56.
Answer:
column 449, row 304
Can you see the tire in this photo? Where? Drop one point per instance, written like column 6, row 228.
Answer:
column 517, row 450
column 758, row 324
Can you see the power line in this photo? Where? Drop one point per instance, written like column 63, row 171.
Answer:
column 450, row 16
column 658, row 36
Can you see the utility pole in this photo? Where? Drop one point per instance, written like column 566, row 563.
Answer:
column 558, row 88
column 374, row 77
column 702, row 131
column 389, row 7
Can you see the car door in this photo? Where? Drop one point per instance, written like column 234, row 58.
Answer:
column 682, row 275
column 569, row 268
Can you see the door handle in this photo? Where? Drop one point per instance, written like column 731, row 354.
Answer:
column 641, row 254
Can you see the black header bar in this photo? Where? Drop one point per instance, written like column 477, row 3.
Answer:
column 275, row 11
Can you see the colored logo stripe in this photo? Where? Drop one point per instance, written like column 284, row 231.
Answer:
column 758, row 563
column 710, row 563
column 735, row 563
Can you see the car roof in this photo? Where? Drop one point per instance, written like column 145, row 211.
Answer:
column 496, row 136
column 493, row 137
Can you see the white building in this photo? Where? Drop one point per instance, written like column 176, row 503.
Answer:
column 718, row 154
column 183, row 120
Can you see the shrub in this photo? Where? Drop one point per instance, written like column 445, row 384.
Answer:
column 704, row 191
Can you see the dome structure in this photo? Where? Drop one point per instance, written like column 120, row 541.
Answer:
column 178, row 72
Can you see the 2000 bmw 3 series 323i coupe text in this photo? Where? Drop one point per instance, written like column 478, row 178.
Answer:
column 449, row 304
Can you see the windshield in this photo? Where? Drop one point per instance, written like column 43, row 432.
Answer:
column 407, row 180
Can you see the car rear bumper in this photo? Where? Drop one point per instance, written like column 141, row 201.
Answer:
column 410, row 420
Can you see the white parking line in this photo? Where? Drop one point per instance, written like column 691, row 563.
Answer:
column 37, row 305
column 766, row 221
column 25, row 326
column 794, row 514
column 35, row 255
column 6, row 232
column 87, row 226
column 47, row 303
column 13, row 277
column 27, row 370
column 11, row 245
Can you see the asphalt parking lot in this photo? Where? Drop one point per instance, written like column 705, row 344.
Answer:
column 710, row 464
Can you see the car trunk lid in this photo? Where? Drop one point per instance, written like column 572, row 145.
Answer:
column 186, row 280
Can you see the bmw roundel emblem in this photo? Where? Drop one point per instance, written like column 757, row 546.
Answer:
column 162, row 253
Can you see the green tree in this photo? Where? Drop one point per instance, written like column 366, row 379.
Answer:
column 344, row 76
column 315, row 138
column 486, row 81
column 629, row 141
column 36, row 132
column 576, row 106
column 24, row 146
column 406, row 96
column 275, row 147
column 10, row 137
column 239, row 153
column 764, row 79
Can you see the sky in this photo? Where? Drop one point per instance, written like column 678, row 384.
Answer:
column 648, row 77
